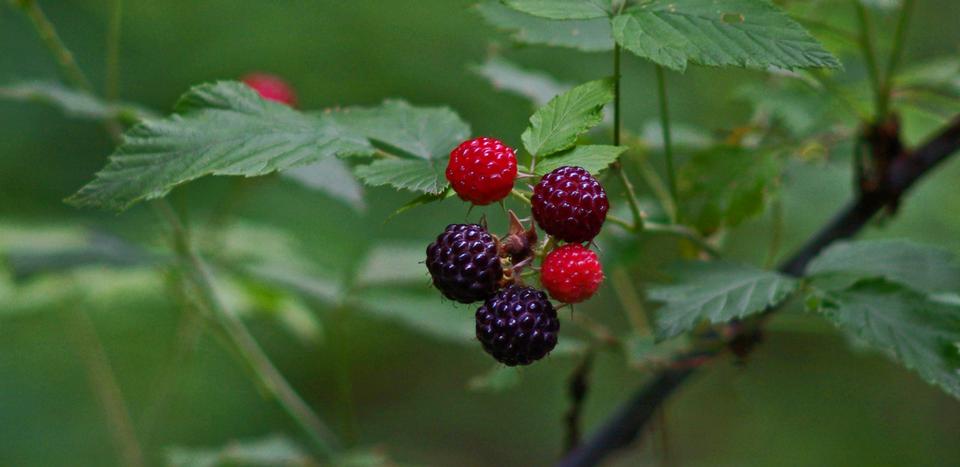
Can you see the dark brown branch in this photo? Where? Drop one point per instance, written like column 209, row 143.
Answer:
column 578, row 386
column 623, row 426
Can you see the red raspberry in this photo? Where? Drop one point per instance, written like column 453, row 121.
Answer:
column 570, row 204
column 571, row 273
column 482, row 170
column 272, row 88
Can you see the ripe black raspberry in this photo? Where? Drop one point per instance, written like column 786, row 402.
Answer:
column 570, row 204
column 464, row 263
column 518, row 325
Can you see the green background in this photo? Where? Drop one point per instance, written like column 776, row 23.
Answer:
column 806, row 397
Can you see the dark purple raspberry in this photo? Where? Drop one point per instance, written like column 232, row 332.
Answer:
column 570, row 204
column 464, row 263
column 518, row 325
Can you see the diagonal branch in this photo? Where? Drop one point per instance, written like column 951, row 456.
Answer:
column 623, row 426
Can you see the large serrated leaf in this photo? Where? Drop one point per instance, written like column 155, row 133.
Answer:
column 591, row 35
column 219, row 129
column 716, row 292
column 425, row 176
column 725, row 185
column 920, row 267
column 562, row 9
column 425, row 132
column 594, row 158
column 330, row 176
column 557, row 125
column 744, row 33
column 920, row 333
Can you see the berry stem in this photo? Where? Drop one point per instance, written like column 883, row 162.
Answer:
column 520, row 195
column 618, row 166
column 667, row 143
column 686, row 233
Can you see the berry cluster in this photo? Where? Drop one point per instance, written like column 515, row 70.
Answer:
column 517, row 324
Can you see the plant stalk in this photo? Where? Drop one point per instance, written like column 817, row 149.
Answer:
column 667, row 141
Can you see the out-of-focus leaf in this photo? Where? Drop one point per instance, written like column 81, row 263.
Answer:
column 682, row 135
column 224, row 128
column 646, row 351
column 422, row 312
column 920, row 333
column 591, row 35
column 330, row 176
column 500, row 378
column 267, row 452
column 394, row 264
column 249, row 298
column 725, row 185
column 920, row 267
column 743, row 33
column 423, row 199
column 797, row 106
column 716, row 292
column 422, row 175
column 562, row 9
column 537, row 87
column 74, row 103
column 556, row 126
column 594, row 158
column 91, row 286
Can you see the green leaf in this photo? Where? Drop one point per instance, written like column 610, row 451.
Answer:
column 423, row 313
column 219, row 129
column 74, row 103
column 744, row 33
column 920, row 333
column 562, row 9
column 272, row 451
column 594, row 158
column 535, row 86
column 716, row 292
column 725, row 185
column 330, row 176
column 422, row 175
column 499, row 379
column 392, row 263
column 592, row 35
column 428, row 132
column 920, row 267
column 423, row 199
column 645, row 352
column 557, row 125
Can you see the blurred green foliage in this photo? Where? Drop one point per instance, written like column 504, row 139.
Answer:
column 803, row 399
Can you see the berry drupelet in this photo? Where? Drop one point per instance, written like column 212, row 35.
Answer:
column 464, row 263
column 518, row 325
column 482, row 170
column 570, row 204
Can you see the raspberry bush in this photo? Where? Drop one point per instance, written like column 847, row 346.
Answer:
column 631, row 233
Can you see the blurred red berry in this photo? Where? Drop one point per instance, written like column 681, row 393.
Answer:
column 482, row 170
column 571, row 273
column 271, row 87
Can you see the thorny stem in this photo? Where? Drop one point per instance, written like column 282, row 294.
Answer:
column 246, row 346
column 578, row 385
column 667, row 143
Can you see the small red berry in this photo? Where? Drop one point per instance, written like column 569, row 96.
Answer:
column 272, row 88
column 570, row 204
column 571, row 273
column 482, row 170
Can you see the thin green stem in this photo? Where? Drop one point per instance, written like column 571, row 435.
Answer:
column 243, row 342
column 896, row 53
column 618, row 166
column 48, row 34
column 637, row 314
column 684, row 232
column 616, row 94
column 112, row 86
column 520, row 195
column 870, row 57
column 659, row 188
column 621, row 222
column 667, row 143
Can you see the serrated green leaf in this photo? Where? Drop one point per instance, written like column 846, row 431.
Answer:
column 74, row 103
column 725, row 185
column 918, row 332
column 272, row 451
column 537, row 87
column 425, row 132
column 422, row 175
column 592, row 35
column 594, row 158
column 744, row 33
column 716, row 292
column 219, row 129
column 499, row 379
column 557, row 125
column 330, row 176
column 920, row 267
column 562, row 9
column 423, row 199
